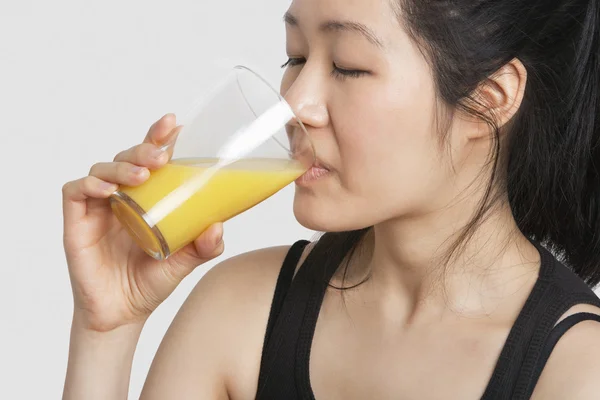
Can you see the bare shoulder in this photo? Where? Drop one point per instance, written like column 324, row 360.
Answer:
column 213, row 347
column 574, row 366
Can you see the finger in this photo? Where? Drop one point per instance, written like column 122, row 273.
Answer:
column 210, row 244
column 145, row 155
column 121, row 173
column 190, row 257
column 160, row 130
column 171, row 139
column 87, row 187
column 76, row 193
column 206, row 247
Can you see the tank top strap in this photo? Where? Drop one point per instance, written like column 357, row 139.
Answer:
column 556, row 291
column 555, row 335
column 284, row 281
column 293, row 323
column 558, row 302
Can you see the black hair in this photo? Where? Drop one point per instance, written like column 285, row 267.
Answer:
column 552, row 169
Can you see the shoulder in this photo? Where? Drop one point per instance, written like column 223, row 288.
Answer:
column 248, row 280
column 217, row 336
column 574, row 366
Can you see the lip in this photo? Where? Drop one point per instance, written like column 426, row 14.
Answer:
column 317, row 172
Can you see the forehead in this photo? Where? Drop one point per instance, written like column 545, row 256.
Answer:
column 379, row 15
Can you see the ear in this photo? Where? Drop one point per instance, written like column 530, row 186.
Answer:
column 500, row 96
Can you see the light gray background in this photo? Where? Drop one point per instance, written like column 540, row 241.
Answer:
column 80, row 81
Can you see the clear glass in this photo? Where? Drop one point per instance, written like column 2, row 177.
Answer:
column 236, row 148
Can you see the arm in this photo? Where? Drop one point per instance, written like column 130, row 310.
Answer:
column 115, row 285
column 99, row 364
column 211, row 351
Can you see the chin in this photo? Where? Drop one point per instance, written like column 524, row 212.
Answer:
column 321, row 215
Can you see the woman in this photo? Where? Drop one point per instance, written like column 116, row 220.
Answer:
column 453, row 138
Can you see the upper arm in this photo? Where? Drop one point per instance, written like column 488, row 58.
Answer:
column 213, row 346
column 573, row 368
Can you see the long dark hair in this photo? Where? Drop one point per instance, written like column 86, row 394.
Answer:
column 552, row 169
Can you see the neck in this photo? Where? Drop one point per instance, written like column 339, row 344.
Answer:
column 408, row 269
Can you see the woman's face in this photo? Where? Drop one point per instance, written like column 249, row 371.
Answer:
column 366, row 96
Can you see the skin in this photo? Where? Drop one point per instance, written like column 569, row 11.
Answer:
column 376, row 133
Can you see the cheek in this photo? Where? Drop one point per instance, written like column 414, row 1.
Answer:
column 386, row 138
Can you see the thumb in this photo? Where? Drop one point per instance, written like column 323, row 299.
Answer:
column 210, row 244
column 207, row 246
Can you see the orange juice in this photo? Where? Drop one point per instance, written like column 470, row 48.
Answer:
column 183, row 198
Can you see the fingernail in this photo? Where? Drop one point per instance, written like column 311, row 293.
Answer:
column 139, row 170
column 108, row 187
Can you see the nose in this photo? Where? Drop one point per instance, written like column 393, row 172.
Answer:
column 307, row 98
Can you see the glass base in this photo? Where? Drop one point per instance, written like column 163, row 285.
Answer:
column 133, row 219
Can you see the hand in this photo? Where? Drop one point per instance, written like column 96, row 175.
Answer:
column 114, row 281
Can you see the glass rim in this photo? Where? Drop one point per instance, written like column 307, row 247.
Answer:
column 279, row 96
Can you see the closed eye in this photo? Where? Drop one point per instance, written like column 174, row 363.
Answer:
column 342, row 73
column 336, row 72
column 292, row 62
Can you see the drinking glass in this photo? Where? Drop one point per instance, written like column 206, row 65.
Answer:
column 238, row 146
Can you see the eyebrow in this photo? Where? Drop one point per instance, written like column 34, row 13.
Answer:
column 340, row 26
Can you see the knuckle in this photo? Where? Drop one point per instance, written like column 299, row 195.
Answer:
column 173, row 273
column 94, row 169
column 66, row 188
column 134, row 155
column 119, row 155
column 125, row 155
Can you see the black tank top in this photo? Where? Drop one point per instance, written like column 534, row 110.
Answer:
column 284, row 370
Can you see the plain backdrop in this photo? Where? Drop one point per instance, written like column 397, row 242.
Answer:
column 79, row 82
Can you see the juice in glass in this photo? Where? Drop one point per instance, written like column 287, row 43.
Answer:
column 183, row 198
